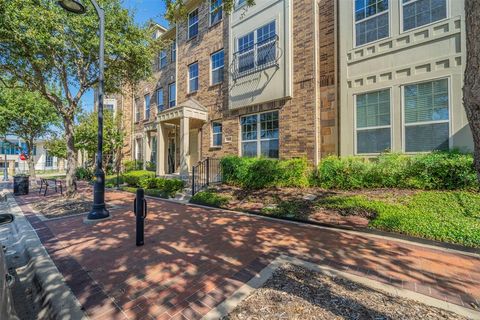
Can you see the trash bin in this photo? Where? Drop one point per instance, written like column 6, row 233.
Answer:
column 20, row 185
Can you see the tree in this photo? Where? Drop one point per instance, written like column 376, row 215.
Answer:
column 45, row 49
column 471, row 88
column 27, row 115
column 86, row 133
column 177, row 10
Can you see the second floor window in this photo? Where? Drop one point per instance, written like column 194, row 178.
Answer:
column 371, row 20
column 216, row 11
column 147, row 106
column 160, row 104
column 163, row 59
column 417, row 13
column 257, row 48
column 137, row 109
column 193, row 77
column 217, row 65
column 193, row 24
column 216, row 134
column 172, row 92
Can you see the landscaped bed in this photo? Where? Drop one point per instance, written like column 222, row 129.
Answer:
column 296, row 293
column 63, row 206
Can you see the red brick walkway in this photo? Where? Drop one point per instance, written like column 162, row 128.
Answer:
column 194, row 258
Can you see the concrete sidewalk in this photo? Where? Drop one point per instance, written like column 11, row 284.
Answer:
column 194, row 258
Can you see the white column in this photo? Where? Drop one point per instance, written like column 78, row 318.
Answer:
column 184, row 146
column 144, row 150
column 161, row 150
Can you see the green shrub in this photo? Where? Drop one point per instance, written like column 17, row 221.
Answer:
column 84, row 174
column 150, row 166
column 258, row 173
column 132, row 165
column 436, row 170
column 209, row 198
column 111, row 180
column 133, row 178
column 167, row 186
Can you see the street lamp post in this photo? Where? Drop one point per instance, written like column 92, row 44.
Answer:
column 99, row 210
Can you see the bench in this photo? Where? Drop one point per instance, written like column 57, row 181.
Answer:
column 45, row 182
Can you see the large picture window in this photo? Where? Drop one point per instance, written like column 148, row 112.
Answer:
column 260, row 134
column 373, row 122
column 417, row 13
column 426, row 114
column 371, row 20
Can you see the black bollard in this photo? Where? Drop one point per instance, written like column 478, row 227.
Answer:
column 140, row 210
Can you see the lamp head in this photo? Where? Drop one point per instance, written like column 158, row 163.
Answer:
column 74, row 6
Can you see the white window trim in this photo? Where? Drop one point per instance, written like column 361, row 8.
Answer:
column 169, row 96
column 212, row 69
column 259, row 132
column 210, row 12
column 354, row 33
column 401, row 4
column 212, row 145
column 190, row 25
column 145, row 105
column 255, row 41
column 190, row 79
column 404, row 124
column 355, row 129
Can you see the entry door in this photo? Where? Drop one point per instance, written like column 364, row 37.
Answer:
column 171, row 155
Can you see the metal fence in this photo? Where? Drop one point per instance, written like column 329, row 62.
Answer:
column 205, row 173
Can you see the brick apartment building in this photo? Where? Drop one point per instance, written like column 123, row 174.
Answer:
column 285, row 79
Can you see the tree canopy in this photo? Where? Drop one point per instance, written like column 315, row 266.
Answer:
column 177, row 9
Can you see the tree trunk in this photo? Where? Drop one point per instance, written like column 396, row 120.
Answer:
column 471, row 88
column 71, row 157
column 31, row 159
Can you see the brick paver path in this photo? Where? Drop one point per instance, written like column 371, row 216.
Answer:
column 194, row 258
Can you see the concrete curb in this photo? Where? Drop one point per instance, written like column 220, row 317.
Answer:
column 256, row 282
column 57, row 295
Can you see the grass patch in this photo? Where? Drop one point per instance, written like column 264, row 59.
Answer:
column 209, row 198
column 452, row 216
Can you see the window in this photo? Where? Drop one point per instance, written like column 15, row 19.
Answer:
column 109, row 107
column 172, row 92
column 240, row 3
column 137, row 109
column 173, row 51
column 48, row 159
column 216, row 134
column 426, row 114
column 193, row 24
column 153, row 154
column 217, row 65
column 257, row 48
column 216, row 11
column 371, row 20
column 417, row 13
column 260, row 135
column 163, row 59
column 193, row 77
column 139, row 147
column 147, row 106
column 373, row 122
column 160, row 104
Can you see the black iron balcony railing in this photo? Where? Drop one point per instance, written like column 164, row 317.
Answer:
column 261, row 55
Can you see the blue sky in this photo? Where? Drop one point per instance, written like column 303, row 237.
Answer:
column 143, row 10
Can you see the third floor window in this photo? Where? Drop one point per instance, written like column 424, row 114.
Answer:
column 417, row 13
column 371, row 20
column 172, row 95
column 216, row 11
column 163, row 59
column 217, row 65
column 193, row 24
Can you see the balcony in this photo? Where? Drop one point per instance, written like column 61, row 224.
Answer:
column 262, row 55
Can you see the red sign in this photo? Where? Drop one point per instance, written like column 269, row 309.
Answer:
column 23, row 157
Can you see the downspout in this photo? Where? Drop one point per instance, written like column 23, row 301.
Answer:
column 317, row 103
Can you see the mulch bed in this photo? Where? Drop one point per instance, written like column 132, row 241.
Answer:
column 62, row 206
column 304, row 200
column 297, row 293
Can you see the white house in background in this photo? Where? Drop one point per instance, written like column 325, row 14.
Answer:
column 12, row 149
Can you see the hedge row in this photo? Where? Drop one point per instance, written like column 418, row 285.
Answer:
column 147, row 180
column 432, row 171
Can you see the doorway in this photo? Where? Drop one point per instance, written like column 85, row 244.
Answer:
column 171, row 155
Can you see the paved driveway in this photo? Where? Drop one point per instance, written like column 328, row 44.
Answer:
column 193, row 258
